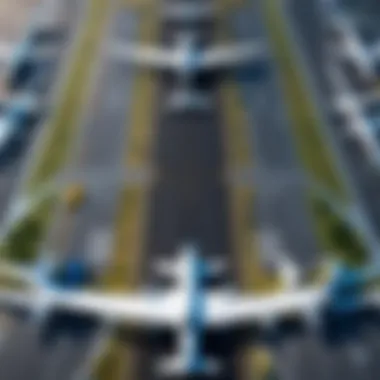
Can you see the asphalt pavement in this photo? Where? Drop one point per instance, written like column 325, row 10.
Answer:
column 308, row 357
column 102, row 144
column 365, row 177
column 42, row 85
column 188, row 201
column 281, row 205
column 23, row 353
column 100, row 147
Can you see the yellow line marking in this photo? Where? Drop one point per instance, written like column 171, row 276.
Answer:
column 311, row 146
column 66, row 116
column 127, row 252
column 122, row 272
column 256, row 361
column 239, row 154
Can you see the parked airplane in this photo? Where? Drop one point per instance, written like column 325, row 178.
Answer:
column 190, row 310
column 188, row 58
column 72, row 274
column 22, row 62
column 365, row 59
column 358, row 125
column 20, row 115
column 352, row 109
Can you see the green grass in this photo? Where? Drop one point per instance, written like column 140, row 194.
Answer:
column 337, row 234
column 23, row 242
column 310, row 143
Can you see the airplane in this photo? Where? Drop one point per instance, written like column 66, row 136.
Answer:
column 187, row 58
column 180, row 309
column 23, row 61
column 186, row 61
column 364, row 58
column 358, row 125
column 53, row 275
column 20, row 114
column 47, row 274
column 351, row 108
column 191, row 310
column 188, row 13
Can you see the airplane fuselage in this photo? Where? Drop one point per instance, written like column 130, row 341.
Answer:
column 188, row 62
column 191, row 332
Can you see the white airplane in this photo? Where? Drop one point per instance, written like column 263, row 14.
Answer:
column 186, row 60
column 20, row 115
column 352, row 49
column 189, row 59
column 190, row 309
column 352, row 109
column 184, row 12
column 22, row 60
column 10, row 54
column 358, row 125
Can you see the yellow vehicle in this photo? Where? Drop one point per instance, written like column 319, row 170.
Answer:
column 74, row 196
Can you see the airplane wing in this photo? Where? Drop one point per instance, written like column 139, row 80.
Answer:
column 146, row 56
column 135, row 309
column 232, row 56
column 149, row 310
column 258, row 310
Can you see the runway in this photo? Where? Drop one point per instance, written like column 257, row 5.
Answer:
column 188, row 201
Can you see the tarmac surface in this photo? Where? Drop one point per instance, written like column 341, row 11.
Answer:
column 24, row 353
column 281, row 205
column 309, row 357
column 11, row 169
column 188, row 201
